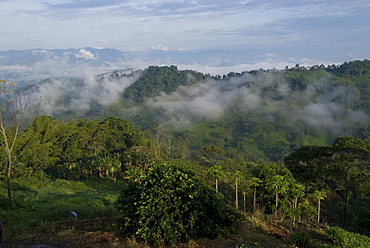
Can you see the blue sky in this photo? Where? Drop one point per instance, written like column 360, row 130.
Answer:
column 300, row 30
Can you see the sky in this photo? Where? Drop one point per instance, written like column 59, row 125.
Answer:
column 330, row 31
column 264, row 33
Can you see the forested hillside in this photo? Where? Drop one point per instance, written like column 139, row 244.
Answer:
column 290, row 145
column 256, row 114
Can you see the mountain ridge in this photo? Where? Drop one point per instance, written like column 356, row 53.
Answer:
column 259, row 114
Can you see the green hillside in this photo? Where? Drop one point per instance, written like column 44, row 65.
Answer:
column 269, row 112
column 144, row 156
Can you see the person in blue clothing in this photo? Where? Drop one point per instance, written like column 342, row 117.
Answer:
column 73, row 215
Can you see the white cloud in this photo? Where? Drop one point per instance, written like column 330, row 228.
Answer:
column 313, row 107
column 166, row 48
column 161, row 47
column 79, row 97
column 85, row 55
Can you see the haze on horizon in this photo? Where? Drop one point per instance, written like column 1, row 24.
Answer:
column 271, row 33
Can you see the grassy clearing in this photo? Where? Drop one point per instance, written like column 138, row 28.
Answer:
column 39, row 214
column 37, row 202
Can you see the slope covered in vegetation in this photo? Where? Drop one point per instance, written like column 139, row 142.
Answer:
column 256, row 114
column 289, row 147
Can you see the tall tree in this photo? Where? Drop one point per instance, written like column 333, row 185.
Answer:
column 254, row 182
column 319, row 195
column 296, row 191
column 307, row 165
column 12, row 112
column 237, row 178
column 216, row 173
column 246, row 190
column 277, row 185
column 213, row 154
column 349, row 159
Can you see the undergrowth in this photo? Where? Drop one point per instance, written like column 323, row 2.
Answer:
column 37, row 202
column 40, row 212
column 343, row 238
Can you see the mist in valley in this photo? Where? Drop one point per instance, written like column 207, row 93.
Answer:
column 80, row 83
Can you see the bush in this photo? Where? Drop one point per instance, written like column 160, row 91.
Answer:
column 347, row 239
column 7, row 204
column 306, row 212
column 168, row 204
column 362, row 219
column 300, row 239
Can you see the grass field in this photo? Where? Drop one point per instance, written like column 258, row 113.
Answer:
column 37, row 202
column 40, row 214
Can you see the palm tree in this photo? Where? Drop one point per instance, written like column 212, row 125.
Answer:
column 296, row 190
column 216, row 173
column 245, row 188
column 254, row 182
column 278, row 185
column 237, row 177
column 319, row 195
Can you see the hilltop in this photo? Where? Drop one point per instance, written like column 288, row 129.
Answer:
column 255, row 114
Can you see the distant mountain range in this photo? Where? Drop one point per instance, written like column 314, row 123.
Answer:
column 74, row 56
column 101, row 56
column 32, row 65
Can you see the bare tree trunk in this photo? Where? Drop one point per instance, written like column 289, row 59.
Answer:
column 295, row 205
column 345, row 206
column 255, row 199
column 17, row 112
column 216, row 185
column 1, row 233
column 236, row 197
column 8, row 182
column 8, row 150
column 318, row 210
column 245, row 201
column 276, row 204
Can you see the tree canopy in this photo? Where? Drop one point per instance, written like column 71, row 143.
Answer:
column 167, row 203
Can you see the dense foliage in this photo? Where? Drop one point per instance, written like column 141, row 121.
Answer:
column 342, row 167
column 166, row 204
column 157, row 80
column 254, row 115
column 76, row 149
column 255, row 147
column 352, row 68
column 262, row 114
column 343, row 238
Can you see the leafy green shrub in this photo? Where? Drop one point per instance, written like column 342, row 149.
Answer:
column 7, row 204
column 300, row 239
column 337, row 235
column 362, row 219
column 167, row 204
column 306, row 212
column 347, row 239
